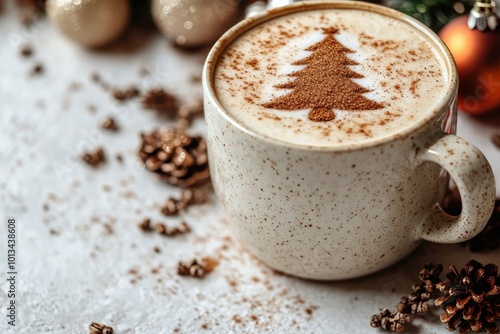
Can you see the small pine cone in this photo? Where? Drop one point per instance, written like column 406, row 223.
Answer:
column 172, row 231
column 394, row 321
column 471, row 298
column 430, row 273
column 96, row 328
column 182, row 228
column 175, row 156
column 413, row 304
column 416, row 302
column 189, row 197
column 197, row 267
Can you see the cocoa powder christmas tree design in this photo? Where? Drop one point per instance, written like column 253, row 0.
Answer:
column 325, row 83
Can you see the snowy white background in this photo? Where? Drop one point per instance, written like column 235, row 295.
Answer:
column 81, row 257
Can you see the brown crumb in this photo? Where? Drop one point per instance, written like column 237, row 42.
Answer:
column 96, row 328
column 162, row 229
column 119, row 158
column 197, row 267
column 145, row 225
column 109, row 124
column 394, row 321
column 108, row 229
column 26, row 50
column 190, row 196
column 254, row 318
column 161, row 101
column 95, row 77
column 126, row 94
column 36, row 70
column 94, row 158
column 156, row 249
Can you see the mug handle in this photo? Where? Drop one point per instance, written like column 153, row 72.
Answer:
column 475, row 181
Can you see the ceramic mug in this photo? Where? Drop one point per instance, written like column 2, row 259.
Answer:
column 378, row 200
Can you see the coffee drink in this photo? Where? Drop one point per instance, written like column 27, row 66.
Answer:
column 330, row 77
column 329, row 125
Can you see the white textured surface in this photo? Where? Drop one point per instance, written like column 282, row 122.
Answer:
column 82, row 274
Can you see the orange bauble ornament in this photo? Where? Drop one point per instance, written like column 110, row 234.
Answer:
column 477, row 54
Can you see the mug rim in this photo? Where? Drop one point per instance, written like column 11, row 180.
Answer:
column 247, row 24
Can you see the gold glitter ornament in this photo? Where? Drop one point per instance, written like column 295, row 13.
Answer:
column 193, row 23
column 91, row 23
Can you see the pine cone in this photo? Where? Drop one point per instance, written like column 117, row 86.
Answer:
column 417, row 301
column 394, row 321
column 471, row 298
column 175, row 156
column 197, row 267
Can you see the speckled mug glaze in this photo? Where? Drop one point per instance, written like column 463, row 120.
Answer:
column 342, row 212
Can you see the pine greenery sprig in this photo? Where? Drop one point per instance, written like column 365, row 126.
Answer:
column 433, row 13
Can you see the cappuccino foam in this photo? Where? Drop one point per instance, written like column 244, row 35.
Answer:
column 330, row 77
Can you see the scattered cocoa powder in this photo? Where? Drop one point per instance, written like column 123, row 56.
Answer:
column 253, row 63
column 126, row 94
column 26, row 50
column 161, row 101
column 189, row 196
column 413, row 87
column 109, row 124
column 36, row 70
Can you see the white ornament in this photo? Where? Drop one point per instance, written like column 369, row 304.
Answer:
column 192, row 23
column 91, row 23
